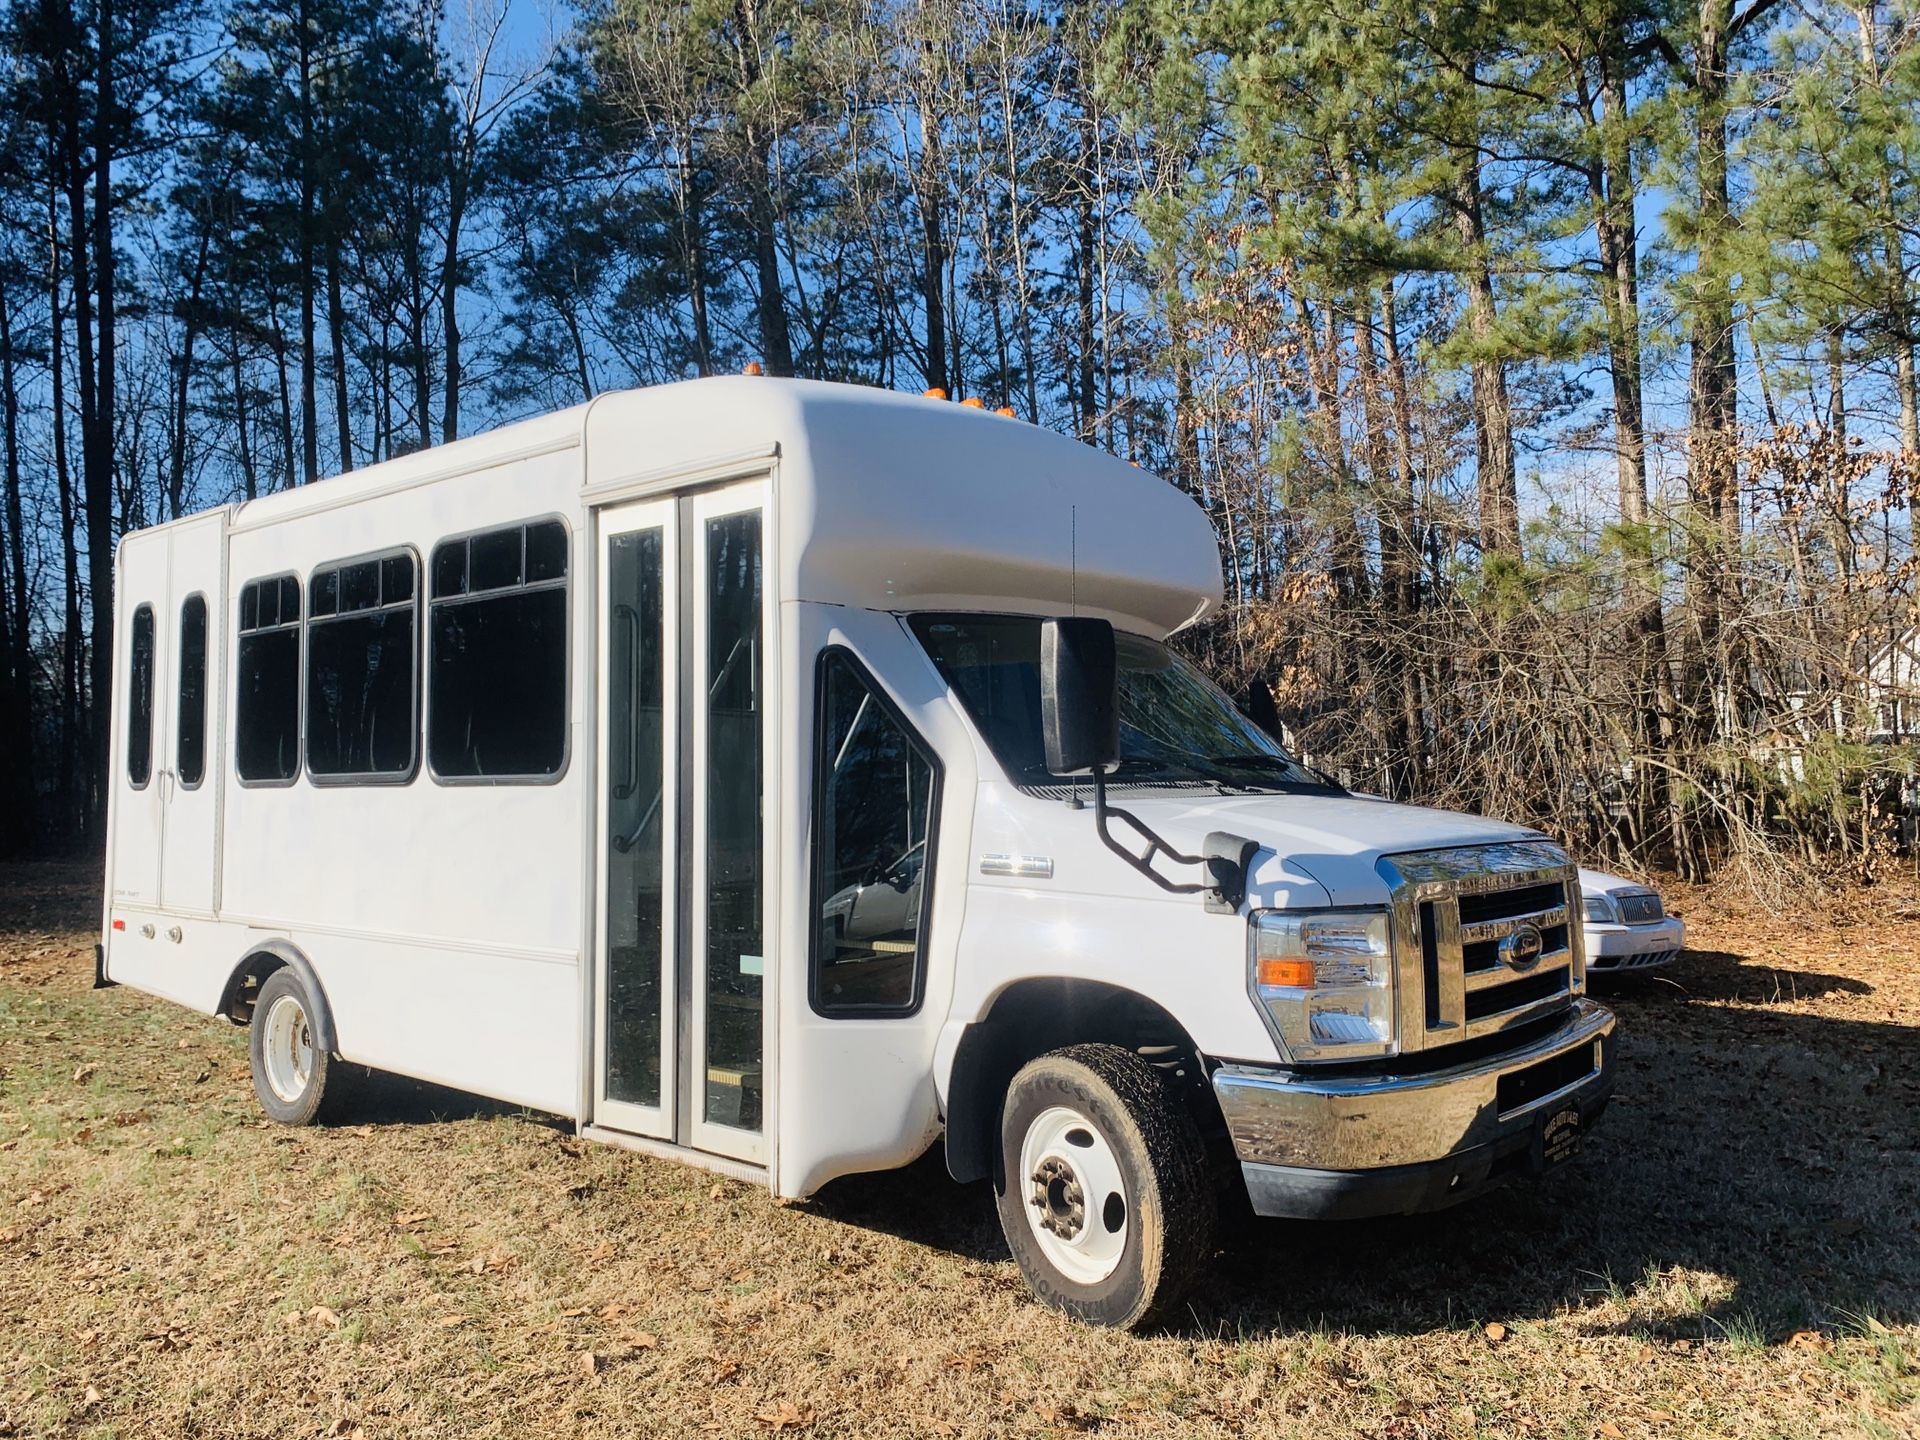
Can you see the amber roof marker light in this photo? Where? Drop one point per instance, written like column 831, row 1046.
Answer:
column 1006, row 410
column 974, row 402
column 934, row 392
column 752, row 367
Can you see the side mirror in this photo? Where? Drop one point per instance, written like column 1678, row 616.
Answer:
column 1079, row 694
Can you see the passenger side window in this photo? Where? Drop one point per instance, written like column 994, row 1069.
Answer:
column 190, row 730
column 140, row 699
column 266, row 730
column 875, row 796
column 497, row 655
column 362, row 670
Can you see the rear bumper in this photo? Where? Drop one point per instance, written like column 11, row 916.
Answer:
column 1344, row 1146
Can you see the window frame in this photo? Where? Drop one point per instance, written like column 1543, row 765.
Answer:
column 300, row 681
column 416, row 717
column 153, row 687
column 180, row 676
column 817, row 786
column 429, row 600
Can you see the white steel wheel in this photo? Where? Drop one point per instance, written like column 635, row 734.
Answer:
column 290, row 1068
column 1102, row 1186
column 1076, row 1196
column 287, row 1048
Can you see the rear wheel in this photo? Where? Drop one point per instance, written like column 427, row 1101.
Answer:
column 291, row 1073
column 1102, row 1186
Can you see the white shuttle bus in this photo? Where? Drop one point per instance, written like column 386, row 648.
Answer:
column 788, row 777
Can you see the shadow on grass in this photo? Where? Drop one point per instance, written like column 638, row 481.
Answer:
column 1758, row 1173
column 375, row 1097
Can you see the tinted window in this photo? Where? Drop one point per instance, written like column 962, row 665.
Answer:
column 497, row 662
column 1176, row 727
column 140, row 699
column 191, row 728
column 873, row 808
column 361, row 663
column 266, row 730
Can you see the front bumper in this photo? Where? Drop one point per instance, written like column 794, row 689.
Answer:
column 1344, row 1146
column 1634, row 947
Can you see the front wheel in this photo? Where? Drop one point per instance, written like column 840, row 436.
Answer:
column 1102, row 1186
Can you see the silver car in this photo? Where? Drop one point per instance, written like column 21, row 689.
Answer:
column 1627, row 925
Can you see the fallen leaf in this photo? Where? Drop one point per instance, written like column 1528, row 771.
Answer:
column 786, row 1416
column 1495, row 1331
column 412, row 1217
column 725, row 1370
column 589, row 1362
column 324, row 1316
column 615, row 1310
column 573, row 1314
column 450, row 1322
column 1609, row 1429
column 1808, row 1340
column 93, row 1396
column 84, row 1074
column 645, row 1340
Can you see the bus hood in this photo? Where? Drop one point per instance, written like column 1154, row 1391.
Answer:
column 1333, row 840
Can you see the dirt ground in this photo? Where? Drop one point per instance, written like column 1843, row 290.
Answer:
column 1736, row 1252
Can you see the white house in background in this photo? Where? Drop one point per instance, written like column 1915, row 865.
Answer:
column 1893, row 688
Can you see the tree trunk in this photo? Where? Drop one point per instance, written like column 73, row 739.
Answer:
column 337, row 344
column 17, row 831
column 1492, row 408
column 1713, row 477
column 309, row 405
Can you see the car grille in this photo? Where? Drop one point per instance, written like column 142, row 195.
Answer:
column 1470, row 916
column 1640, row 907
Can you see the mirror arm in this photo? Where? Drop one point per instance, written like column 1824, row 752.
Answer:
column 1229, row 857
column 1154, row 845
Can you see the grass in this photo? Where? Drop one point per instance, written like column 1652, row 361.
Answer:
column 1737, row 1251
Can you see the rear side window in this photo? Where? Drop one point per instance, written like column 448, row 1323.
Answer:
column 497, row 655
column 140, row 699
column 266, row 729
column 362, row 661
column 875, row 791
column 191, row 728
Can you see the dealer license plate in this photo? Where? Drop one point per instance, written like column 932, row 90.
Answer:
column 1556, row 1138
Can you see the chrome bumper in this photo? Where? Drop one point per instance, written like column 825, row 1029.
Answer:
column 1439, row 1133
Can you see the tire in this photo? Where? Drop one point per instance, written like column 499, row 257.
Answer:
column 291, row 1075
column 1093, row 1121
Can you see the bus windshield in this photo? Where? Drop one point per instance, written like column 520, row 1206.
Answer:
column 1176, row 726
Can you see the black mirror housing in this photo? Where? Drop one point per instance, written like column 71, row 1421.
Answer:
column 1079, row 695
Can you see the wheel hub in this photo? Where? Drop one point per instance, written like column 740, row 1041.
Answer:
column 1058, row 1196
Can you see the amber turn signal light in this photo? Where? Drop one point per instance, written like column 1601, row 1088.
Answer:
column 1294, row 973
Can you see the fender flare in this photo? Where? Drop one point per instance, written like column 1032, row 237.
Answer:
column 289, row 955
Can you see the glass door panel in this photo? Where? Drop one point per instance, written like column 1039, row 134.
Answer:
column 730, row 841
column 636, row 1011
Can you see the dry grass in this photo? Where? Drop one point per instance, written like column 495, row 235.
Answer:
column 1735, row 1253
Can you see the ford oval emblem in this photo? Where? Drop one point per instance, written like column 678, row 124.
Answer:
column 1521, row 950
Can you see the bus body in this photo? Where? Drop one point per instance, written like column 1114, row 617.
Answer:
column 679, row 763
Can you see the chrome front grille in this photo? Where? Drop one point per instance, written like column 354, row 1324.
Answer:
column 1487, row 936
column 1638, row 907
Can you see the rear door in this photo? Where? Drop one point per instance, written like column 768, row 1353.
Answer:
column 188, row 749
column 135, row 768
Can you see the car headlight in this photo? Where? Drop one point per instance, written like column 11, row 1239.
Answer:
column 1324, row 980
column 1600, row 911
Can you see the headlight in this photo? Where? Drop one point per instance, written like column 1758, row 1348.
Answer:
column 1600, row 911
column 1324, row 980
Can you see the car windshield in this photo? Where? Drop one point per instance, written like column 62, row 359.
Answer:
column 1175, row 725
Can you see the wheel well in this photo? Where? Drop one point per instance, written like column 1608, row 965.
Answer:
column 1032, row 1017
column 243, row 987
